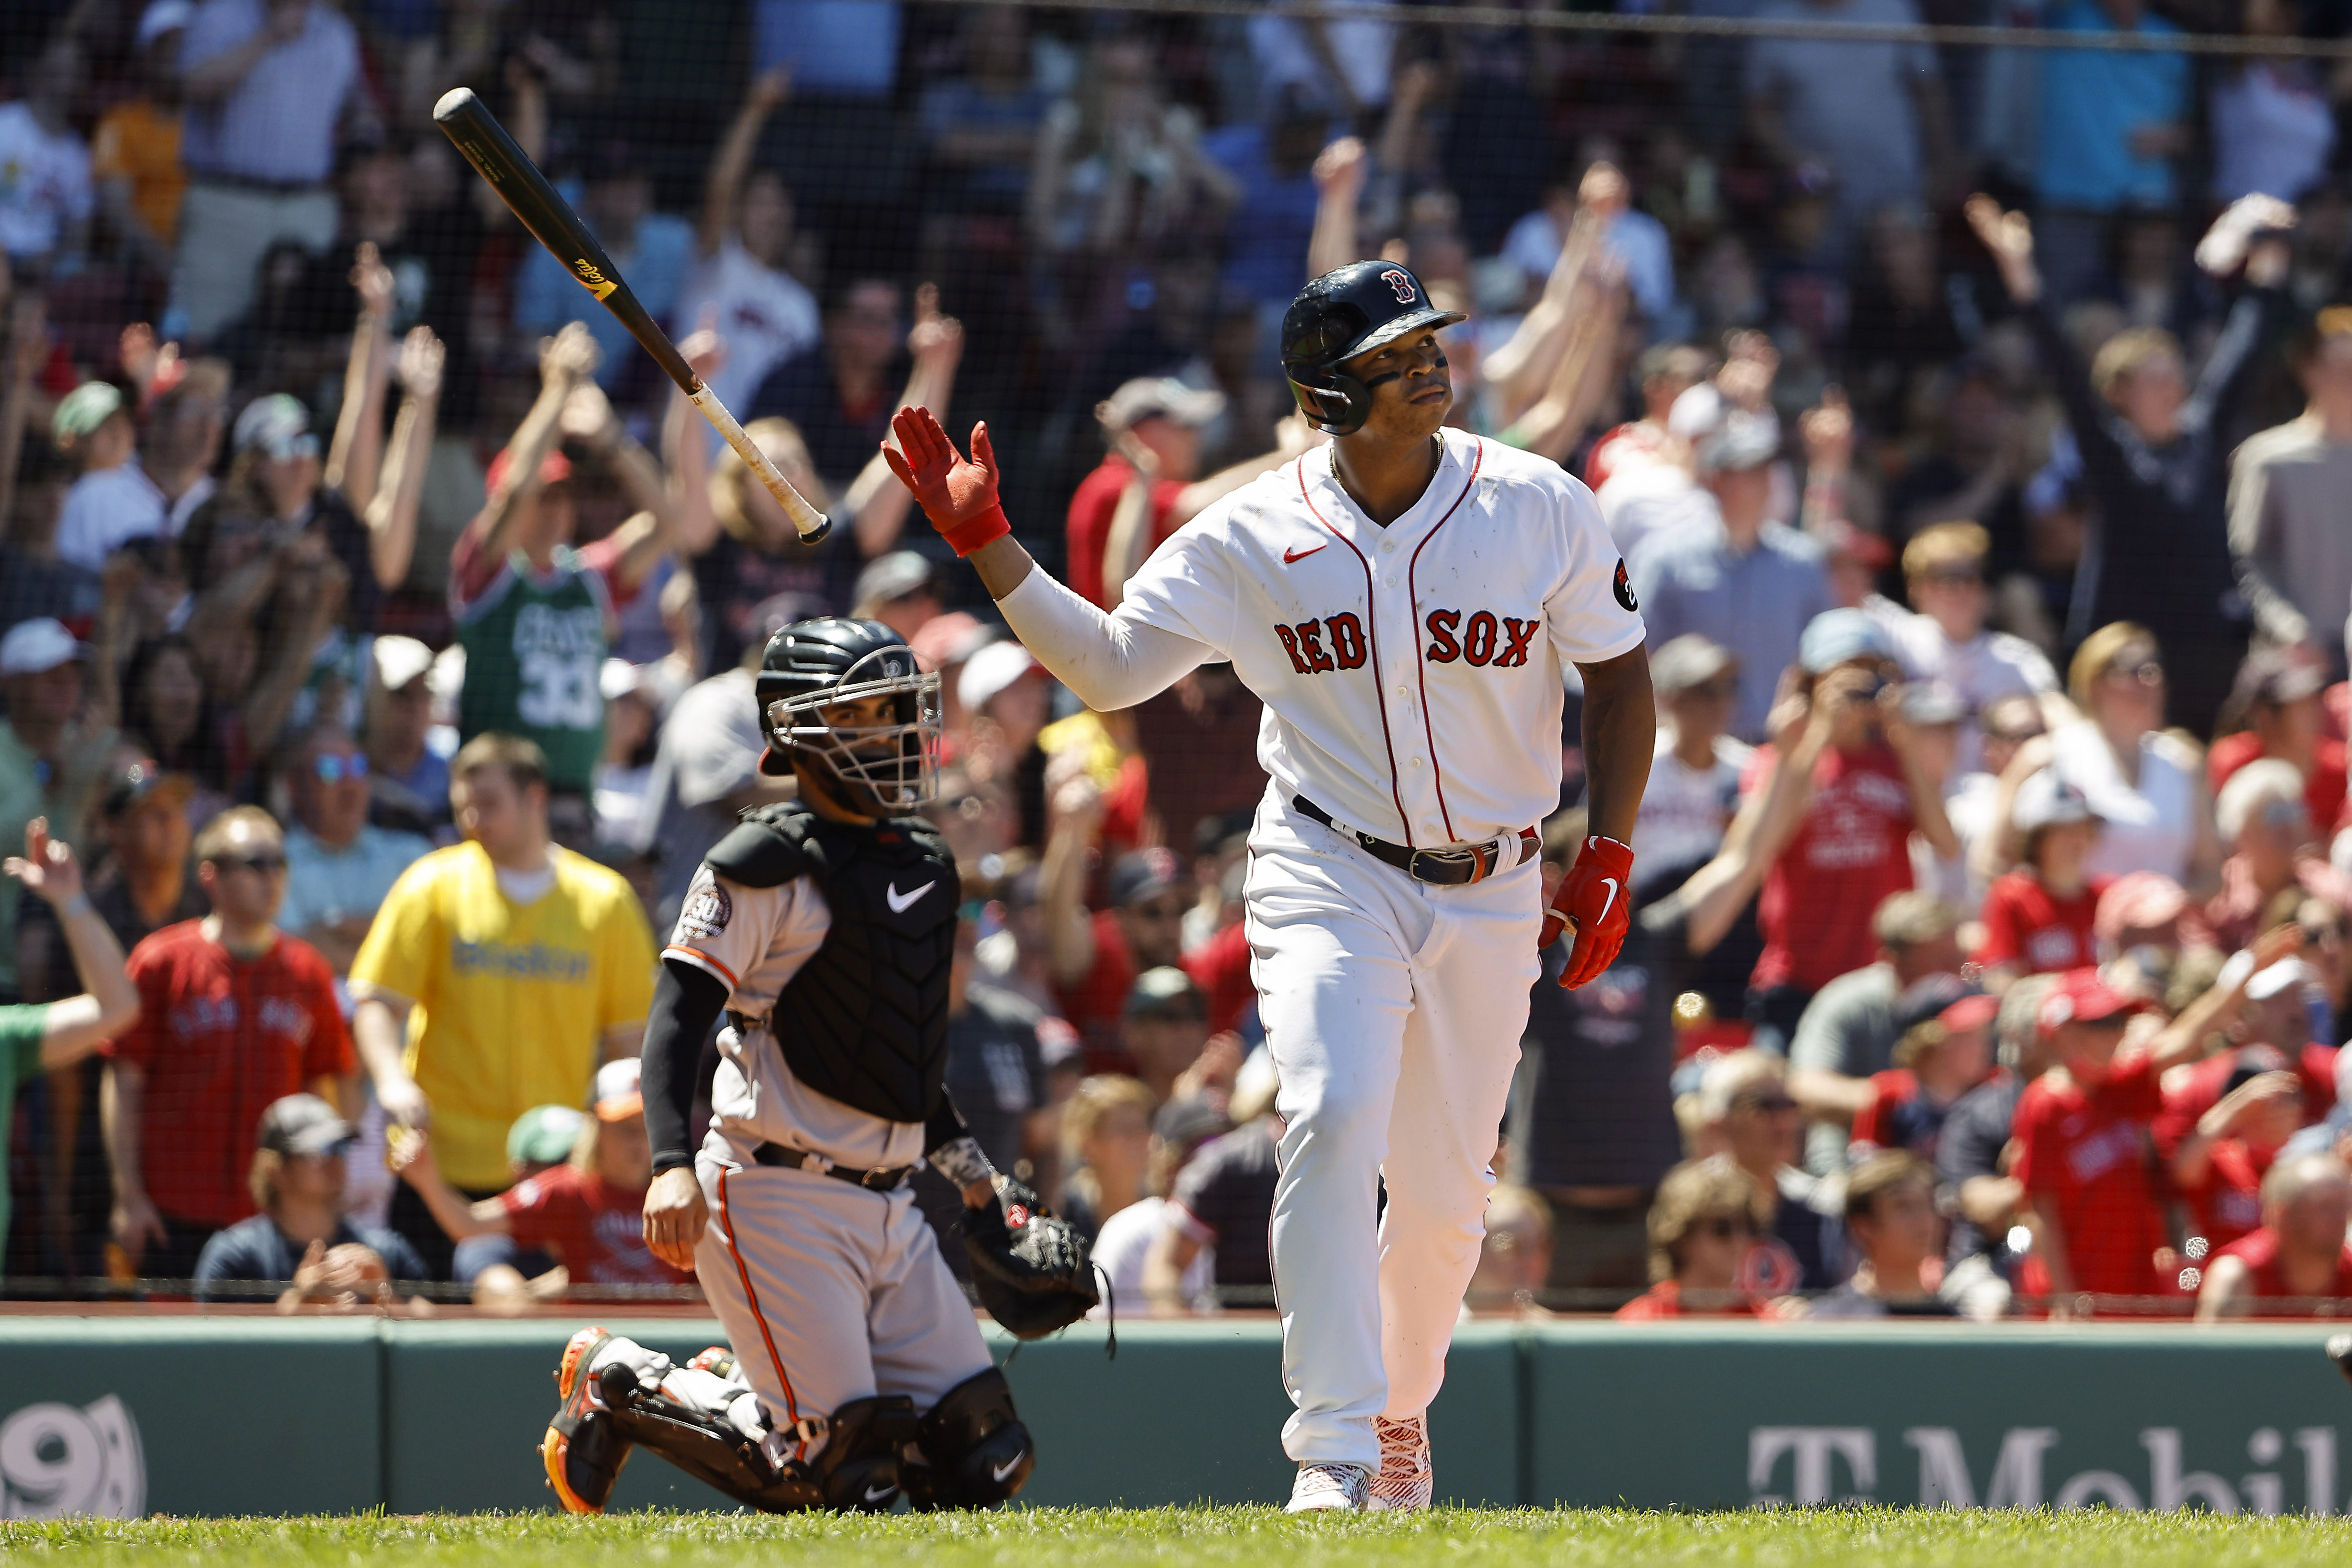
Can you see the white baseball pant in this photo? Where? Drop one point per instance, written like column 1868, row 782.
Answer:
column 1394, row 1009
column 829, row 1293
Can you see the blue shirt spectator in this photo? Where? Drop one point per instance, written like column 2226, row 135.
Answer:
column 1270, row 228
column 848, row 48
column 1748, row 583
column 2097, row 102
column 277, row 124
column 654, row 251
column 1755, row 600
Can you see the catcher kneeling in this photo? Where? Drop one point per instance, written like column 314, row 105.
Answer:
column 824, row 928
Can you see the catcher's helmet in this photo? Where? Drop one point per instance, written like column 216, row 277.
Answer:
column 1339, row 315
column 813, row 664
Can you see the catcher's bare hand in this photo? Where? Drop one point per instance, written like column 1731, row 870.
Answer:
column 676, row 1215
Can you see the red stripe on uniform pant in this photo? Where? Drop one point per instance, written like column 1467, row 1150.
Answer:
column 726, row 1218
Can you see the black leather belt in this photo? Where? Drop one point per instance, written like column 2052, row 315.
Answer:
column 1442, row 868
column 885, row 1180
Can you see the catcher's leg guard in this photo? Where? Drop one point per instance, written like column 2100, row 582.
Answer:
column 980, row 1453
column 584, row 1448
column 858, row 1468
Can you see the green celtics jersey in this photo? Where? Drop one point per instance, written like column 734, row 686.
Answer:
column 534, row 647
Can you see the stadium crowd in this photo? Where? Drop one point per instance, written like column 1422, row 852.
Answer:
column 376, row 623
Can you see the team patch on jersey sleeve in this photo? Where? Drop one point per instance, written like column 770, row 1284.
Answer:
column 1623, row 588
column 706, row 912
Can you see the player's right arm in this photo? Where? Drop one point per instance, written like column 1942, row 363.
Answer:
column 1108, row 662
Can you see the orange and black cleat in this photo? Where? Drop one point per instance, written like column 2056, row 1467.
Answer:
column 583, row 1448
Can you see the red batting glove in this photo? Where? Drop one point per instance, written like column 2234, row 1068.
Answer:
column 1595, row 901
column 958, row 495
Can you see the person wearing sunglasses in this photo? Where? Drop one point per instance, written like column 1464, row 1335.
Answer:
column 2273, row 847
column 233, row 1014
column 2145, row 783
column 339, row 866
column 1745, row 1111
column 1706, row 1221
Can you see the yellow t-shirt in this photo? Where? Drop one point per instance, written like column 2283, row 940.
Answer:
column 511, row 1000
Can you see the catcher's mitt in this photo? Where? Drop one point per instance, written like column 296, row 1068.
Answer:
column 1034, row 1273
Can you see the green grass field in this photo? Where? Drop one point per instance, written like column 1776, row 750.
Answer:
column 1168, row 1538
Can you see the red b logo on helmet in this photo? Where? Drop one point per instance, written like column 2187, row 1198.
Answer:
column 1401, row 281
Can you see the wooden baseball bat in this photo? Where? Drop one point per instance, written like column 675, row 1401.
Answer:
column 471, row 125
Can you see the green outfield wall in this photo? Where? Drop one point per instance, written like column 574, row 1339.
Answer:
column 236, row 1416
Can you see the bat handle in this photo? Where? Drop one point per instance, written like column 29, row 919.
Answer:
column 811, row 524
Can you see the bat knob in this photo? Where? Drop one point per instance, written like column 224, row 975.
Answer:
column 817, row 535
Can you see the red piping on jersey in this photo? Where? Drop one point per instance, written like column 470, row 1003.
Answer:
column 1371, row 606
column 1421, row 665
column 702, row 960
column 726, row 1218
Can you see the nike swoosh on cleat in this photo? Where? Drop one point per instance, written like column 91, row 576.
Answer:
column 901, row 902
column 998, row 1472
column 875, row 1494
column 1290, row 557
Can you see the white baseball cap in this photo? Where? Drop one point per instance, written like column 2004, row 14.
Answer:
column 989, row 671
column 399, row 660
column 42, row 643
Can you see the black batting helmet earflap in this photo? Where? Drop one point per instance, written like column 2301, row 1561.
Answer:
column 1343, row 314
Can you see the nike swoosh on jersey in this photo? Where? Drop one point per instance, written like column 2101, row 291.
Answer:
column 901, row 902
column 1291, row 556
column 998, row 1472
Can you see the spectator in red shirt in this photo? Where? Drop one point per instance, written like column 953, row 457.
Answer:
column 2082, row 1132
column 2298, row 1258
column 2144, row 909
column 2081, row 1135
column 587, row 1214
column 1864, row 787
column 2219, row 1167
column 233, row 1014
column 2271, row 1026
column 2039, row 919
column 2272, row 847
column 1144, row 489
column 2278, row 696
column 1939, row 1059
column 1704, row 1227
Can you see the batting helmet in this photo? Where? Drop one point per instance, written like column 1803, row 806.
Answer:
column 1343, row 314
column 812, row 664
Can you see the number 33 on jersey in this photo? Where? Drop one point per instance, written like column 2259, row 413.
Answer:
column 1413, row 673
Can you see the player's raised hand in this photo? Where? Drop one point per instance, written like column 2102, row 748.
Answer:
column 674, row 1217
column 1595, row 899
column 958, row 494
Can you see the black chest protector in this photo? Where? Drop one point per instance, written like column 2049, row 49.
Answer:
column 865, row 1019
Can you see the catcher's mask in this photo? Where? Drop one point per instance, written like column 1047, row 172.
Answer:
column 812, row 665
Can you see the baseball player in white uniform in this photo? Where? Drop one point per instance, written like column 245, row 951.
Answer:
column 824, row 928
column 1406, row 601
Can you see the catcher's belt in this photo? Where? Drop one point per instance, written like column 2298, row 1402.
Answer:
column 883, row 1179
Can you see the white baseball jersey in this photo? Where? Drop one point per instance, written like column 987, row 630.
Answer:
column 1411, row 674
column 753, row 940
